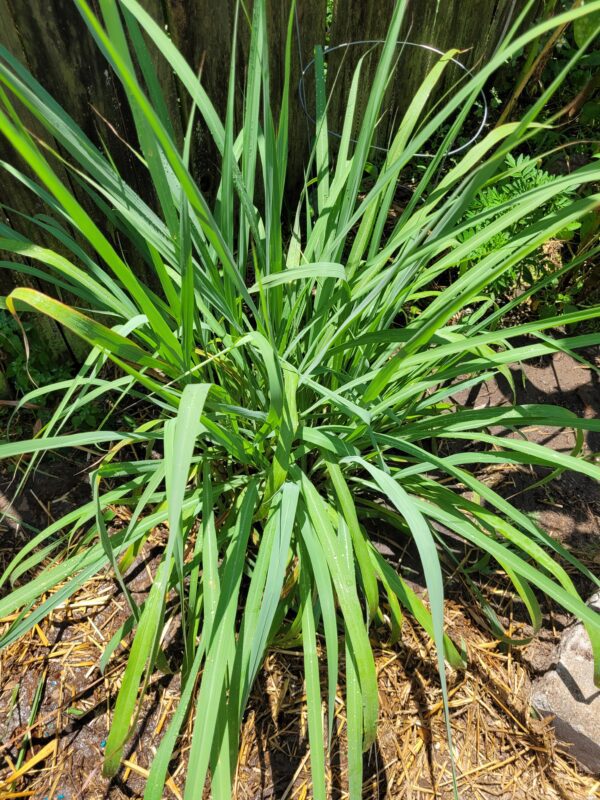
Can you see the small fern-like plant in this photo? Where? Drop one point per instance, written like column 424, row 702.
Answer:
column 521, row 175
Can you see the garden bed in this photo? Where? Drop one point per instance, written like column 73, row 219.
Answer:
column 502, row 751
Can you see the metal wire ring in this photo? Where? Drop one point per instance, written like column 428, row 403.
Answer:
column 328, row 50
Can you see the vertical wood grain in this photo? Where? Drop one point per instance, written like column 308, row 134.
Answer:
column 205, row 39
column 475, row 27
column 19, row 202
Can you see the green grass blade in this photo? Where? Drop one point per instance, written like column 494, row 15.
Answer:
column 313, row 684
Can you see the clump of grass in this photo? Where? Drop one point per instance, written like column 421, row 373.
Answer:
column 291, row 411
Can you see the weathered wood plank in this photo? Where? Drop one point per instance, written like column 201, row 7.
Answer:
column 205, row 39
column 17, row 198
column 308, row 31
column 475, row 28
column 61, row 54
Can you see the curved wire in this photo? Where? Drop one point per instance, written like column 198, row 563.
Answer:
column 337, row 135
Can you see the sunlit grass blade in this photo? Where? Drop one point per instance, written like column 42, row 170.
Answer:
column 313, row 684
column 350, row 606
column 324, row 589
column 219, row 642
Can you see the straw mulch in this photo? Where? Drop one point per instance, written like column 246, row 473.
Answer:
column 54, row 747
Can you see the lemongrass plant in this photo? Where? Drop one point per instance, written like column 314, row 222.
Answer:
column 293, row 412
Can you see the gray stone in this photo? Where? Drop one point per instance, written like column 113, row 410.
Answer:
column 569, row 694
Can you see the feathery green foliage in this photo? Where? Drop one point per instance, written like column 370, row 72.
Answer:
column 519, row 176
